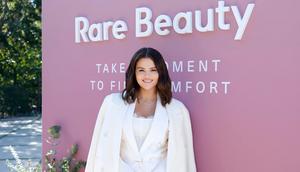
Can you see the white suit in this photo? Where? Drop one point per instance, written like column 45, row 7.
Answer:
column 150, row 154
column 104, row 153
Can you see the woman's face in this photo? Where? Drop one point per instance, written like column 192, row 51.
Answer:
column 146, row 74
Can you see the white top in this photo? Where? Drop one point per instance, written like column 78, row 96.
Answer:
column 141, row 127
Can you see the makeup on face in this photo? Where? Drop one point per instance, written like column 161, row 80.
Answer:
column 146, row 74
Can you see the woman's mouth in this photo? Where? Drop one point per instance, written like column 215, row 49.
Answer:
column 147, row 81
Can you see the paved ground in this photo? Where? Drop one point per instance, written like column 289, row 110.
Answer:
column 24, row 134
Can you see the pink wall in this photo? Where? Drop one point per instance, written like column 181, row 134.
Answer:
column 253, row 128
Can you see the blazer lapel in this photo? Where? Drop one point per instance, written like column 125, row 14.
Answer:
column 128, row 130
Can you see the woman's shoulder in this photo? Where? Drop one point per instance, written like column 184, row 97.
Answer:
column 115, row 98
column 176, row 104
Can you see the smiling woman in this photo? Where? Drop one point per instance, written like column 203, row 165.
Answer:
column 143, row 128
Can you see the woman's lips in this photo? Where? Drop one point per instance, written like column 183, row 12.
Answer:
column 147, row 81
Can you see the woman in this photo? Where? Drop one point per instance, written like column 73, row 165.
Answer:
column 143, row 129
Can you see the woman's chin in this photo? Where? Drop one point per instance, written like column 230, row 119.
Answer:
column 148, row 88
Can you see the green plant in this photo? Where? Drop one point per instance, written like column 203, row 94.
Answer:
column 66, row 164
column 21, row 166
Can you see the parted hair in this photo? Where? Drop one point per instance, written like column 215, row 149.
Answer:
column 129, row 94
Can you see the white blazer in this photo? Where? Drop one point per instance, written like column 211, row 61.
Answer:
column 152, row 153
column 104, row 153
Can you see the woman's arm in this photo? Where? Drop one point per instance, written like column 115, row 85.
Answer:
column 96, row 134
column 189, row 140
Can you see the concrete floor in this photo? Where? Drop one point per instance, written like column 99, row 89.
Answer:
column 24, row 135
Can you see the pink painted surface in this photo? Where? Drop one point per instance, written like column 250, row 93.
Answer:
column 253, row 128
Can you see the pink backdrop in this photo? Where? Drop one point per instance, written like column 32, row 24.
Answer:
column 253, row 128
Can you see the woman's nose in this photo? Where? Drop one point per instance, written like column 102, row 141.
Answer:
column 147, row 73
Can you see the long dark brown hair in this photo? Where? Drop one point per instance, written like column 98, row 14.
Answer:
column 129, row 94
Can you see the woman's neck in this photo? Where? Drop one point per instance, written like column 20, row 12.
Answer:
column 147, row 95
